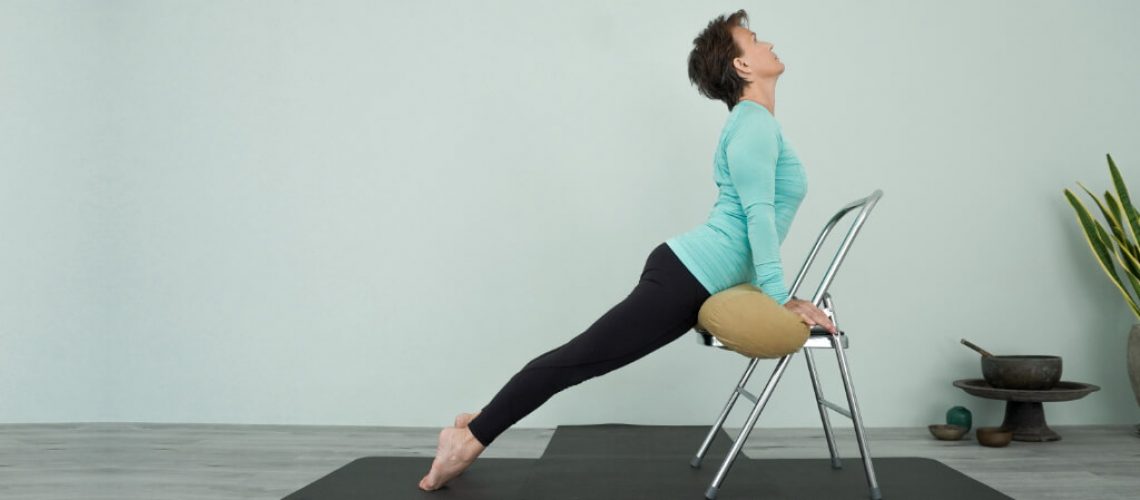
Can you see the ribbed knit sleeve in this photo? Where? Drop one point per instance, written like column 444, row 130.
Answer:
column 752, row 151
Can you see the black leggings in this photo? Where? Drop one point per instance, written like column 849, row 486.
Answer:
column 662, row 307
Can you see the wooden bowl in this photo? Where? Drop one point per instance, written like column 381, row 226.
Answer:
column 993, row 436
column 947, row 432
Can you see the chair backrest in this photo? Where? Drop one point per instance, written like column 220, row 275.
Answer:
column 867, row 204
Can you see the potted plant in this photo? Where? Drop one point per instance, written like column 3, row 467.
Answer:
column 1117, row 245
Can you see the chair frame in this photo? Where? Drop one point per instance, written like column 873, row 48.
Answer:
column 820, row 338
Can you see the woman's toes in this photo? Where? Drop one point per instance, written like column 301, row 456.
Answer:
column 428, row 483
column 457, row 450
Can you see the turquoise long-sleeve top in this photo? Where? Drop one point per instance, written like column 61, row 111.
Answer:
column 762, row 184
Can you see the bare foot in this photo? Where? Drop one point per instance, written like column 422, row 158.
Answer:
column 462, row 419
column 457, row 450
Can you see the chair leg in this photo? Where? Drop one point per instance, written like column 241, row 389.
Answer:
column 857, row 418
column 748, row 425
column 836, row 463
column 696, row 461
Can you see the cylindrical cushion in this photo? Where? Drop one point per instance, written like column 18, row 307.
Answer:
column 748, row 321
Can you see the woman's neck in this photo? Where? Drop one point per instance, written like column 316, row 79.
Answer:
column 763, row 92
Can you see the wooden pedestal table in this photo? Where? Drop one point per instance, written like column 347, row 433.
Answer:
column 1024, row 409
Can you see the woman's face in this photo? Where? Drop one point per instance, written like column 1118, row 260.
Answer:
column 756, row 59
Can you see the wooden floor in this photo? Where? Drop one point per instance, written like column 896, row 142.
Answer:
column 126, row 461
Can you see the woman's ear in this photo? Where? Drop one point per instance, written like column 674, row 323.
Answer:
column 741, row 68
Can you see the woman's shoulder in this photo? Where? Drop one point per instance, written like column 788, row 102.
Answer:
column 752, row 111
column 750, row 118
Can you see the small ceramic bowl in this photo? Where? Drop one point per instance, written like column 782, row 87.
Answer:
column 947, row 432
column 993, row 436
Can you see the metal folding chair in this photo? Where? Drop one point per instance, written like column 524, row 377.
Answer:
column 820, row 338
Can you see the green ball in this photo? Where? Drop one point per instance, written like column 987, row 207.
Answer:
column 959, row 416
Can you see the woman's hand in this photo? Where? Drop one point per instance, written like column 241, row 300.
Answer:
column 810, row 314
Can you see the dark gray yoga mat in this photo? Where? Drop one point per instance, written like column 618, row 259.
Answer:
column 396, row 478
column 771, row 479
column 635, row 441
column 620, row 461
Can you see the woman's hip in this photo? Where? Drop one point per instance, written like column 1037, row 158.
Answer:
column 666, row 277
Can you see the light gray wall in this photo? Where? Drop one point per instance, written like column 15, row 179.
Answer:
column 362, row 213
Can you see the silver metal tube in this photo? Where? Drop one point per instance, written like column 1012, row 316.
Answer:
column 696, row 461
column 838, row 409
column 752, row 417
column 831, row 448
column 867, row 203
column 857, row 418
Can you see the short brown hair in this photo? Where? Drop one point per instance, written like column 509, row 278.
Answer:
column 710, row 62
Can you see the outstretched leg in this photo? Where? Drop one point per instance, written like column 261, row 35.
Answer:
column 661, row 308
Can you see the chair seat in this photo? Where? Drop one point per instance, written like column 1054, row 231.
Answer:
column 817, row 339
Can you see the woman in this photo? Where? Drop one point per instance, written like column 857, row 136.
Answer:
column 761, row 185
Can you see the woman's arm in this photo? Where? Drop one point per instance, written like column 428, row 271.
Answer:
column 752, row 151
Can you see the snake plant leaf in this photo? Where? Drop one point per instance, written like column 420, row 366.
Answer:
column 1128, row 260
column 1132, row 264
column 1131, row 302
column 1092, row 235
column 1117, row 230
column 1113, row 223
column 1096, row 237
column 1130, row 246
column 1131, row 277
column 1132, row 280
column 1135, row 287
column 1125, row 199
